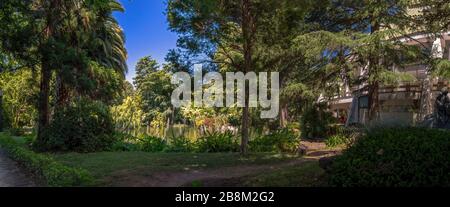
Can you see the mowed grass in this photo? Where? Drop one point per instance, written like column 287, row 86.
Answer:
column 105, row 165
column 308, row 174
column 108, row 167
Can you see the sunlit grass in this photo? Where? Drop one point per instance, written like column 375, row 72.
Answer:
column 307, row 174
column 106, row 164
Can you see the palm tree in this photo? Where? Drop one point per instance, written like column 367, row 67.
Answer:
column 61, row 36
column 93, row 33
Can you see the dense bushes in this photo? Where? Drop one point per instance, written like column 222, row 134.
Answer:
column 44, row 167
column 344, row 136
column 400, row 157
column 315, row 122
column 336, row 140
column 152, row 144
column 217, row 142
column 211, row 143
column 280, row 141
column 179, row 144
column 124, row 143
column 83, row 126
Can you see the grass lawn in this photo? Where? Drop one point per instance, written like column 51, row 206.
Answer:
column 308, row 174
column 107, row 166
column 303, row 174
column 255, row 170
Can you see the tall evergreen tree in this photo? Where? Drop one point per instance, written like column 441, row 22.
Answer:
column 370, row 32
column 144, row 67
column 154, row 87
column 236, row 34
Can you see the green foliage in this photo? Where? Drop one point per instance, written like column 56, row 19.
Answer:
column 211, row 118
column 52, row 172
column 83, row 126
column 315, row 122
column 152, row 144
column 155, row 89
column 336, row 140
column 124, row 143
column 218, row 142
column 72, row 40
column 437, row 17
column 442, row 68
column 144, row 68
column 280, row 141
column 344, row 136
column 179, row 144
column 128, row 116
column 397, row 157
column 106, row 83
column 211, row 143
column 18, row 103
column 91, row 35
column 396, row 78
column 257, row 41
column 122, row 146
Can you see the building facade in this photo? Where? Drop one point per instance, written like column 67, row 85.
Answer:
column 408, row 103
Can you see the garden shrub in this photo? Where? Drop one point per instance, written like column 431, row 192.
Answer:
column 179, row 144
column 344, row 136
column 83, row 126
column 124, row 143
column 16, row 131
column 217, row 142
column 294, row 126
column 152, row 144
column 52, row 172
column 396, row 157
column 280, row 141
column 124, row 146
column 315, row 122
column 336, row 140
column 29, row 139
column 120, row 136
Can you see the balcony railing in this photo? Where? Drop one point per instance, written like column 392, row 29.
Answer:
column 402, row 88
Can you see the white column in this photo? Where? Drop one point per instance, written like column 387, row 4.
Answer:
column 437, row 51
column 426, row 102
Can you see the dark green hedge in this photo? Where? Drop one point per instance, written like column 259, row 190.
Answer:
column 398, row 157
column 53, row 173
column 82, row 126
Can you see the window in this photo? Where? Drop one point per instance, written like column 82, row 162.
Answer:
column 363, row 102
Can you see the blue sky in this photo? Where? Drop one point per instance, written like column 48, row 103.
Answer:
column 146, row 30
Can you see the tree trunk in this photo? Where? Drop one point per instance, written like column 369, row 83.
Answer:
column 284, row 116
column 248, row 31
column 62, row 94
column 43, row 105
column 426, row 107
column 245, row 125
column 374, row 105
column 44, row 100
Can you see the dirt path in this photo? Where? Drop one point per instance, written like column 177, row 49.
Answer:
column 11, row 175
column 176, row 179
